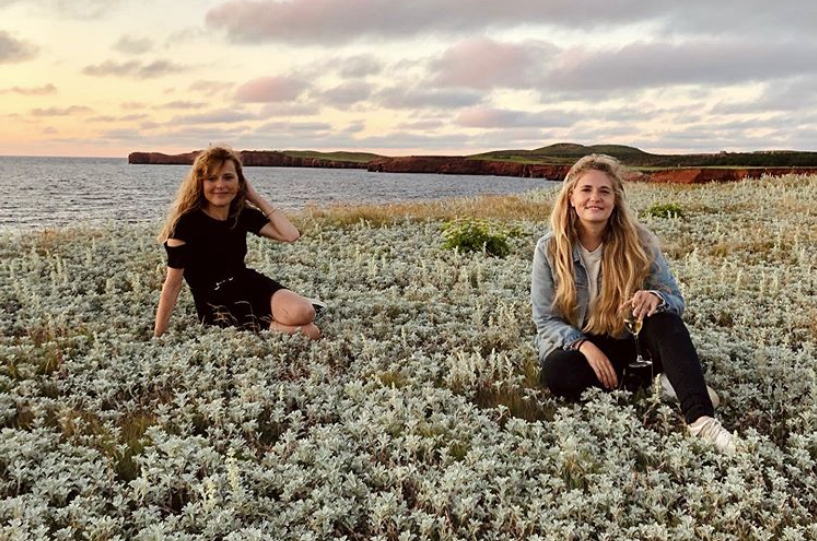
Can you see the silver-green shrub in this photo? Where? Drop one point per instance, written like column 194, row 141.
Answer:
column 418, row 416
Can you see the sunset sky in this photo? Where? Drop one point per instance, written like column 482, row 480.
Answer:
column 106, row 77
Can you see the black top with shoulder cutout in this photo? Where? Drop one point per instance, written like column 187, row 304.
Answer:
column 214, row 250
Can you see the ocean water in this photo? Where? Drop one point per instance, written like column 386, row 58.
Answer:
column 41, row 193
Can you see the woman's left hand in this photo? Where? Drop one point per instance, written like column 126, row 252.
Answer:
column 644, row 303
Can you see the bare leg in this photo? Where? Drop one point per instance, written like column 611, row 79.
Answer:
column 292, row 313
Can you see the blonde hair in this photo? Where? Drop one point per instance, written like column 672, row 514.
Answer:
column 190, row 196
column 627, row 256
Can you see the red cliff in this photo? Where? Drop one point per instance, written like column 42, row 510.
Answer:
column 250, row 158
column 157, row 158
column 448, row 165
column 455, row 165
column 273, row 158
column 705, row 175
column 465, row 166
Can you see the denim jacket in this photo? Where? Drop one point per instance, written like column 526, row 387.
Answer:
column 552, row 330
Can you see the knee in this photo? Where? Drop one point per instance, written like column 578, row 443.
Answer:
column 664, row 322
column 304, row 313
column 664, row 318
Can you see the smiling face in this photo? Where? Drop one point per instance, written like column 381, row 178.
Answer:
column 221, row 187
column 593, row 198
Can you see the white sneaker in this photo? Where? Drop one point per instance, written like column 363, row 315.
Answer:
column 668, row 393
column 711, row 430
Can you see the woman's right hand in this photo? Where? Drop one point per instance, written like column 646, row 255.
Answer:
column 169, row 295
column 600, row 364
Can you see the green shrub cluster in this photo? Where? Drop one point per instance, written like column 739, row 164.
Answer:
column 479, row 234
column 665, row 210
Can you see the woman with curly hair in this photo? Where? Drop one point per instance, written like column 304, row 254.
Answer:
column 596, row 262
column 205, row 236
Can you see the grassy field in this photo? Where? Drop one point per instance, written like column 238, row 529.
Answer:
column 419, row 415
column 341, row 156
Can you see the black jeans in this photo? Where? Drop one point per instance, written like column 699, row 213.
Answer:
column 664, row 338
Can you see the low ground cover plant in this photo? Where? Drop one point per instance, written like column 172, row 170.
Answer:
column 419, row 415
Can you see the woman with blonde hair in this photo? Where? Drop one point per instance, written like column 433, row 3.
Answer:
column 595, row 263
column 205, row 237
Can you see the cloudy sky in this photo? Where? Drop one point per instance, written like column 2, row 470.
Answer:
column 105, row 77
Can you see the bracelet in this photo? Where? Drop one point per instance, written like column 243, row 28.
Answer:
column 270, row 213
column 577, row 344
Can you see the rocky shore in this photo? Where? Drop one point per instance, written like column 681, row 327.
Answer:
column 454, row 165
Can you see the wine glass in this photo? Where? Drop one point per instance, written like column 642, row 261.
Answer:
column 633, row 326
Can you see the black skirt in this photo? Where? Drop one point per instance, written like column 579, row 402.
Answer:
column 242, row 300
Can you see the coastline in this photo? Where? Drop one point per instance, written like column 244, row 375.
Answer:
column 458, row 165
